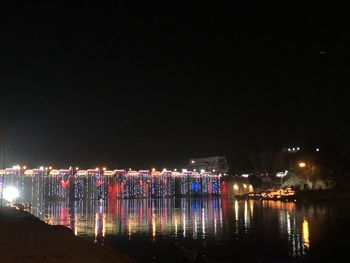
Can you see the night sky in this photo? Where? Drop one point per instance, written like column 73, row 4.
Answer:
column 153, row 84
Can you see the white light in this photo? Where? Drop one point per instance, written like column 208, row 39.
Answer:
column 298, row 148
column 317, row 149
column 192, row 161
column 214, row 170
column 41, row 168
column 293, row 149
column 281, row 174
column 10, row 193
column 194, row 170
column 288, row 149
column 245, row 175
column 184, row 170
column 202, row 171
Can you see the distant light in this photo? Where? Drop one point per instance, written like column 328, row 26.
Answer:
column 214, row 170
column 104, row 168
column 77, row 168
column 288, row 149
column 298, row 148
column 194, row 170
column 244, row 185
column 41, row 168
column 184, row 170
column 129, row 169
column 50, row 167
column 235, row 187
column 245, row 175
column 24, row 167
column 175, row 170
column 153, row 169
column 164, row 169
column 280, row 174
column 302, row 164
column 10, row 193
column 293, row 149
column 97, row 169
column 202, row 171
column 224, row 174
column 192, row 161
column 317, row 149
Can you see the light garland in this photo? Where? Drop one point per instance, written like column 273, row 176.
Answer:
column 97, row 183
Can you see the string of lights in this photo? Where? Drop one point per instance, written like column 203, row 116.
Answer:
column 92, row 184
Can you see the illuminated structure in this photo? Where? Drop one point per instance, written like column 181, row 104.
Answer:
column 64, row 179
column 56, row 184
column 95, row 184
column 196, row 184
column 185, row 183
column 132, row 185
column 120, row 181
column 167, row 184
column 143, row 185
column 80, row 185
column 91, row 183
column 156, row 184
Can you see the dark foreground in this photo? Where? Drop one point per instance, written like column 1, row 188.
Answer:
column 25, row 238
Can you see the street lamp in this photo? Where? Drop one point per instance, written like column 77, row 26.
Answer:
column 302, row 164
column 308, row 171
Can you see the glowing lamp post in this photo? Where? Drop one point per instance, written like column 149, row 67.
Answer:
column 303, row 165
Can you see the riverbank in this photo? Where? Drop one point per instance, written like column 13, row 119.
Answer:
column 307, row 196
column 25, row 238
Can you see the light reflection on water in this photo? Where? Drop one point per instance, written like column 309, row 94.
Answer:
column 222, row 220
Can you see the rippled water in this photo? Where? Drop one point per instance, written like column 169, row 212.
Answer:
column 210, row 230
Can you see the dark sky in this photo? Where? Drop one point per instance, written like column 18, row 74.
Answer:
column 141, row 84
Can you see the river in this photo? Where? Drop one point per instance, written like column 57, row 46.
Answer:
column 208, row 229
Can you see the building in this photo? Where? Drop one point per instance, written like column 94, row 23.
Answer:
column 215, row 164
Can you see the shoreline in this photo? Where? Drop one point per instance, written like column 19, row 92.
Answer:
column 305, row 197
column 25, row 238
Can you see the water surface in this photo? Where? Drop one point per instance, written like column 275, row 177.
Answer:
column 208, row 229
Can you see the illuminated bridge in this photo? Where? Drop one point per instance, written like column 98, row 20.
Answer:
column 93, row 184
